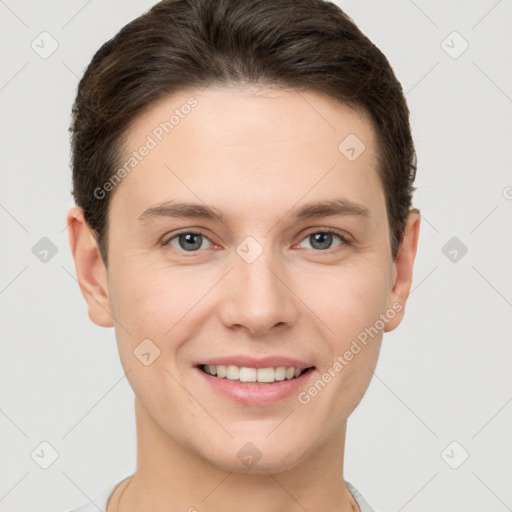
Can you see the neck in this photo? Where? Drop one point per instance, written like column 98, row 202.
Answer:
column 170, row 477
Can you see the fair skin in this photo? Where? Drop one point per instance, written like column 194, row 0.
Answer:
column 257, row 156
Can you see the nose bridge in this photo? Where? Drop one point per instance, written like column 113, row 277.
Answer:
column 257, row 296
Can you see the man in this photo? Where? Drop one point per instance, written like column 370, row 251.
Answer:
column 243, row 173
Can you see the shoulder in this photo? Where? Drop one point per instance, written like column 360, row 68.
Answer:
column 362, row 503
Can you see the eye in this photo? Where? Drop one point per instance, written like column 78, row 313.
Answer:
column 192, row 241
column 322, row 240
column 188, row 241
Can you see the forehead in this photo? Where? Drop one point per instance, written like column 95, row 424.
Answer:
column 233, row 116
column 255, row 147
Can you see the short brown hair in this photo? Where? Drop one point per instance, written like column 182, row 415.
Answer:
column 178, row 44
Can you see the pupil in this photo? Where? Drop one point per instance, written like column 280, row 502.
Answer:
column 323, row 239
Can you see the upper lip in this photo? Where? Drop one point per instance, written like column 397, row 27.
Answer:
column 253, row 362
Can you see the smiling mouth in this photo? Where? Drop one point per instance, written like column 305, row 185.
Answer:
column 243, row 374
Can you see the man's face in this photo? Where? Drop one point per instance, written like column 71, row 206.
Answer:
column 259, row 283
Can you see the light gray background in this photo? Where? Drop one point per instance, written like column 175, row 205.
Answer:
column 444, row 375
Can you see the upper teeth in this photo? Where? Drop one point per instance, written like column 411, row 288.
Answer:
column 245, row 374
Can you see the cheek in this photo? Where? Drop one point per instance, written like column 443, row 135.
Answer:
column 144, row 308
column 349, row 303
column 152, row 299
column 152, row 306
column 346, row 300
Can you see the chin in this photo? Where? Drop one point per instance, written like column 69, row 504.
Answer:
column 254, row 458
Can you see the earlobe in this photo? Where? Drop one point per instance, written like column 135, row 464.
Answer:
column 90, row 269
column 403, row 269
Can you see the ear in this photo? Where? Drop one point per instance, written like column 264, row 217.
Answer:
column 90, row 269
column 402, row 269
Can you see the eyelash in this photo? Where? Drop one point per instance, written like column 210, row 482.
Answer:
column 344, row 239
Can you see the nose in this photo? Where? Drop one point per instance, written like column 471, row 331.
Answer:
column 258, row 296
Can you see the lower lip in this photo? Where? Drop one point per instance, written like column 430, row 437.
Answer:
column 251, row 393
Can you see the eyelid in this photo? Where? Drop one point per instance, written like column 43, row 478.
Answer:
column 196, row 231
column 344, row 237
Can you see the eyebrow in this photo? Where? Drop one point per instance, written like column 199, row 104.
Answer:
column 318, row 209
